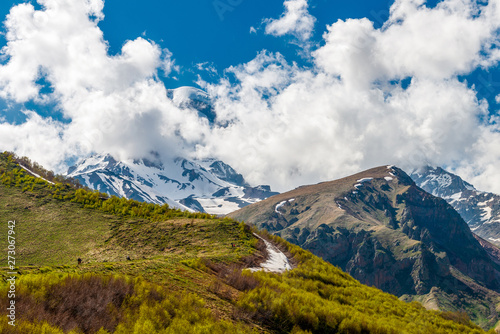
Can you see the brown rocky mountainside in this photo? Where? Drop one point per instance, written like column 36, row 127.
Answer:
column 382, row 229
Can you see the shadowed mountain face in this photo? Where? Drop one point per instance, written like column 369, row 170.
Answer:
column 480, row 210
column 386, row 232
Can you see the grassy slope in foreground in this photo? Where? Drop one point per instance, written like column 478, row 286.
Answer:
column 183, row 276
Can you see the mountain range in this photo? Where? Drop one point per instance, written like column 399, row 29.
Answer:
column 385, row 231
column 214, row 187
column 407, row 234
column 91, row 263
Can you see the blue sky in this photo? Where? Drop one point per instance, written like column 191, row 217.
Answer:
column 201, row 31
column 206, row 31
column 304, row 90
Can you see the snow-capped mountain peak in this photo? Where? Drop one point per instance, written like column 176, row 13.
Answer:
column 481, row 210
column 439, row 182
column 93, row 163
column 206, row 185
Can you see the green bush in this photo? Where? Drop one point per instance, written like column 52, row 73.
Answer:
column 55, row 303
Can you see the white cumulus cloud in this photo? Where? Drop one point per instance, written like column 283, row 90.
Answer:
column 296, row 21
column 351, row 111
column 114, row 103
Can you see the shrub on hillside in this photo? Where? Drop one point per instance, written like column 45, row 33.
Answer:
column 52, row 303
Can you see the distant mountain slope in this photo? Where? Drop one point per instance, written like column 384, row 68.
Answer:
column 383, row 230
column 480, row 210
column 206, row 186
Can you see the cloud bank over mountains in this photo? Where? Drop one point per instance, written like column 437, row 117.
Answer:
column 371, row 96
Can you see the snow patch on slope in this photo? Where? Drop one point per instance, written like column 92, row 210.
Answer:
column 486, row 216
column 35, row 174
column 366, row 179
column 279, row 205
column 218, row 206
column 277, row 262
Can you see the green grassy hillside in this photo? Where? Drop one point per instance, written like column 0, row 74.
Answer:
column 151, row 269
